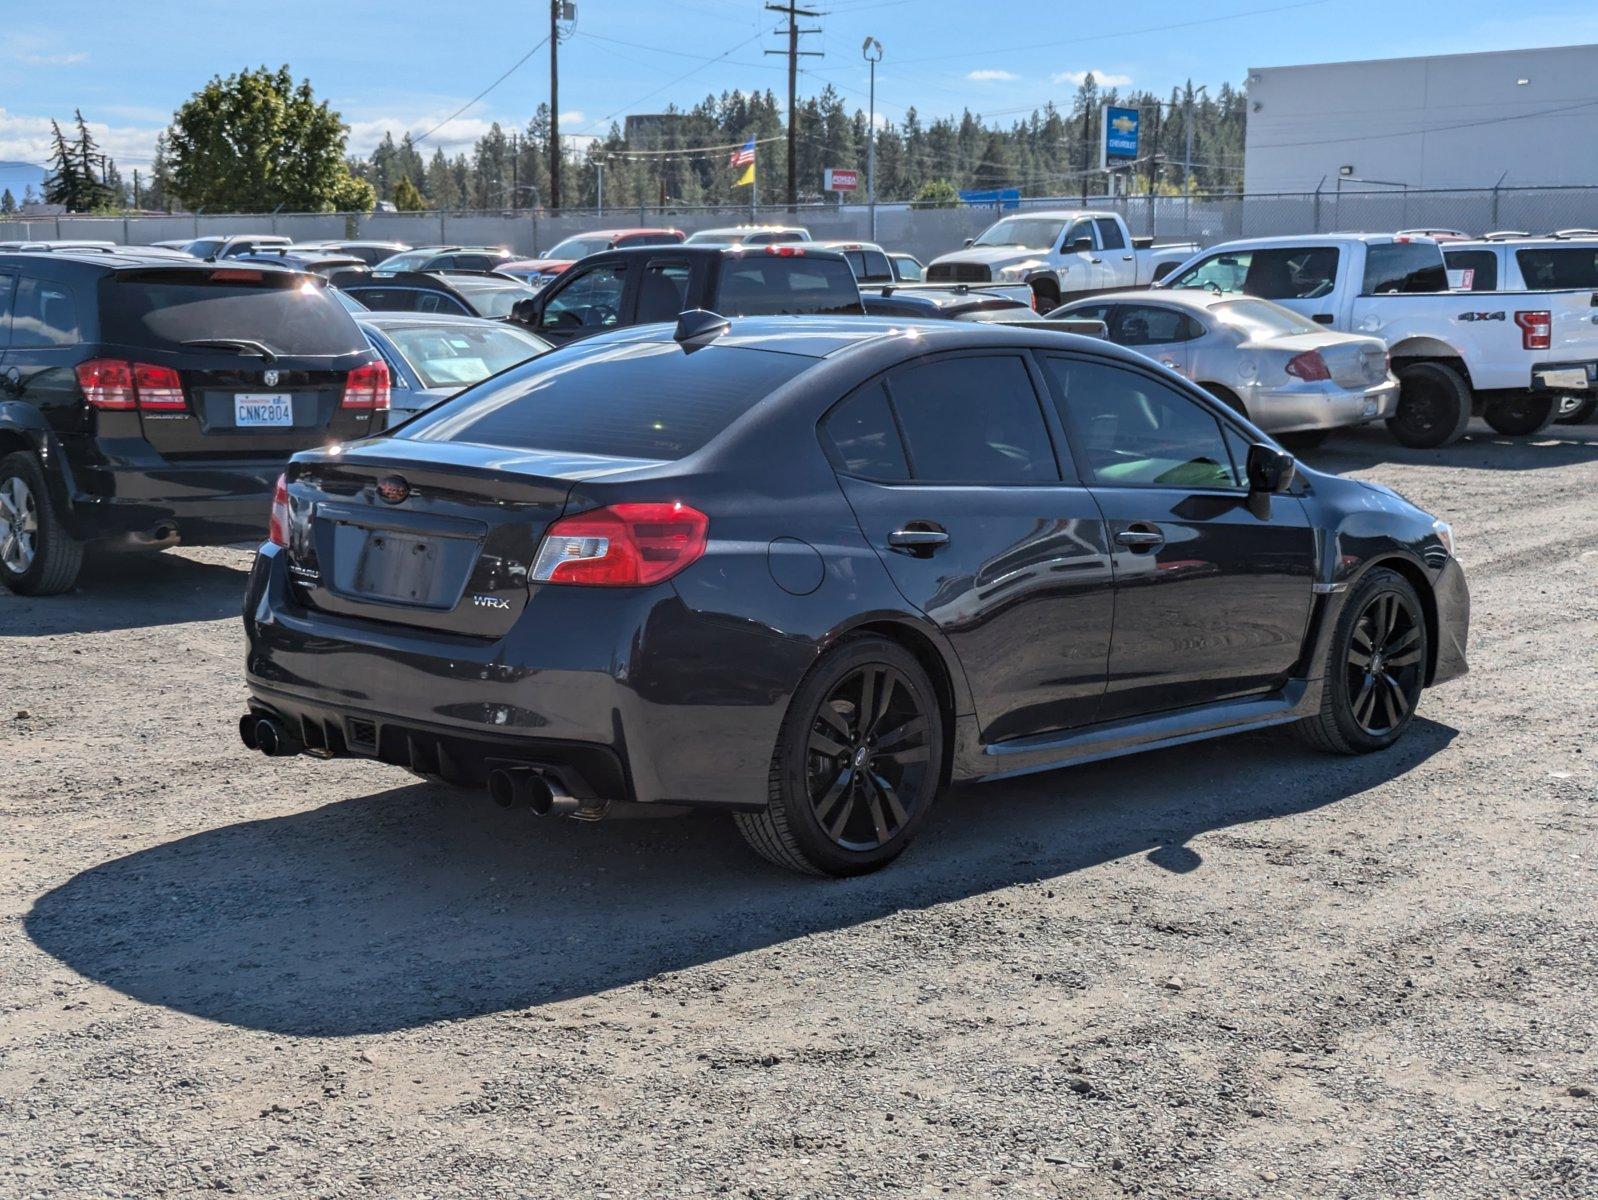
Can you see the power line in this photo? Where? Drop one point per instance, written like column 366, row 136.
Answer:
column 513, row 67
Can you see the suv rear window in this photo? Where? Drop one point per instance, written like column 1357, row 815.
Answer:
column 1404, row 267
column 157, row 312
column 763, row 285
column 634, row 400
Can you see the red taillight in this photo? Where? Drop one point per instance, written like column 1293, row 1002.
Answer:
column 1536, row 329
column 368, row 387
column 786, row 251
column 277, row 529
column 236, row 275
column 1308, row 366
column 111, row 383
column 622, row 545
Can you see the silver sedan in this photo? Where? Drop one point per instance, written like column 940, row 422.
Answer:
column 1289, row 376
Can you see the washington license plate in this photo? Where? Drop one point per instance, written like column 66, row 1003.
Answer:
column 262, row 411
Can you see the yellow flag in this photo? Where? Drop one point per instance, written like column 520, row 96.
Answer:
column 747, row 177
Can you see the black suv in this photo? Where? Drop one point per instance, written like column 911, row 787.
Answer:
column 456, row 293
column 146, row 402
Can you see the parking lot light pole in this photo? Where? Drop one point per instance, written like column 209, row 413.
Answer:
column 871, row 51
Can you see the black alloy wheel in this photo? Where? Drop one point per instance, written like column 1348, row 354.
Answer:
column 1523, row 415
column 1433, row 406
column 1384, row 664
column 857, row 763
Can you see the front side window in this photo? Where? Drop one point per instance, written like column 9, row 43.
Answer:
column 1474, row 270
column 1393, row 268
column 591, row 300
column 1151, row 325
column 44, row 314
column 862, row 438
column 1110, row 233
column 908, row 269
column 973, row 420
column 1082, row 231
column 1564, row 267
column 1275, row 273
column 1130, row 430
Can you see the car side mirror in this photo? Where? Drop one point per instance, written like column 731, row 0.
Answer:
column 1080, row 246
column 1270, row 469
column 969, row 242
column 526, row 311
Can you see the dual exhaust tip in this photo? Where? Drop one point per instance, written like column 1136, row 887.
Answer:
column 268, row 735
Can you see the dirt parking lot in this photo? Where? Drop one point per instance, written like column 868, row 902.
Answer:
column 1237, row 969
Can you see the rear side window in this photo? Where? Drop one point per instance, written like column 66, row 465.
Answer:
column 1110, row 234
column 662, row 291
column 869, row 265
column 8, row 284
column 1475, row 270
column 1151, row 325
column 633, row 400
column 863, row 439
column 474, row 262
column 783, row 286
column 1393, row 268
column 163, row 313
column 45, row 314
column 1565, row 267
column 973, row 420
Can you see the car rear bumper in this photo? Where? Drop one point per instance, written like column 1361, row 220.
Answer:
column 211, row 502
column 1306, row 407
column 1565, row 377
column 624, row 693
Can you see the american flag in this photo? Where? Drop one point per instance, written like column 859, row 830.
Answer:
column 743, row 156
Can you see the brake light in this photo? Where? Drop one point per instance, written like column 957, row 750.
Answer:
column 786, row 251
column 622, row 545
column 107, row 383
column 1308, row 366
column 1536, row 329
column 236, row 275
column 368, row 387
column 277, row 529
column 114, row 384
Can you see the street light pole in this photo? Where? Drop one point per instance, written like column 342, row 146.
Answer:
column 871, row 51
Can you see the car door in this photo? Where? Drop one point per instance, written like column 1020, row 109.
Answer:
column 1120, row 263
column 1084, row 269
column 590, row 301
column 951, row 469
column 1159, row 331
column 1213, row 586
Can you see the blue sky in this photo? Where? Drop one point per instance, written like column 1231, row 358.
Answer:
column 408, row 64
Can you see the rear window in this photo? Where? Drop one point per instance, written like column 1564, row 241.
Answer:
column 1473, row 270
column 1392, row 268
column 634, row 400
column 495, row 302
column 1550, row 269
column 774, row 286
column 286, row 317
column 1259, row 316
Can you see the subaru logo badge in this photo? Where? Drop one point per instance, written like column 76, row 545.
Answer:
column 391, row 489
column 271, row 378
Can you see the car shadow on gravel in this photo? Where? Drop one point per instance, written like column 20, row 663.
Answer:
column 1481, row 449
column 130, row 591
column 415, row 904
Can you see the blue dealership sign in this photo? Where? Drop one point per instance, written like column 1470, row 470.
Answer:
column 1120, row 126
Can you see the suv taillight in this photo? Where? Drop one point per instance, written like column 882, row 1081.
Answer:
column 621, row 545
column 1308, row 366
column 277, row 529
column 1536, row 329
column 368, row 387
column 112, row 383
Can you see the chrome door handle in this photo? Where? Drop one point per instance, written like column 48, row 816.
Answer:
column 1144, row 537
column 1095, row 260
column 918, row 539
column 1126, row 258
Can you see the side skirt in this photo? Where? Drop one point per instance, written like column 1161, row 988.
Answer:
column 1047, row 752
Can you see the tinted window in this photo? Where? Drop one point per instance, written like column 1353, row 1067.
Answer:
column 1081, row 231
column 164, row 313
column 1286, row 273
column 869, row 265
column 1133, row 431
column 591, row 300
column 649, row 239
column 1394, row 267
column 410, row 260
column 767, row 286
column 973, row 420
column 7, row 287
column 447, row 355
column 1477, row 270
column 1151, row 325
column 636, row 400
column 44, row 314
column 662, row 291
column 1565, row 267
column 1110, row 233
column 863, row 438
column 475, row 262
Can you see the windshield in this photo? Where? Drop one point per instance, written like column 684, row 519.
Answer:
column 1031, row 233
column 578, row 247
column 412, row 260
column 495, row 302
column 723, row 237
column 1259, row 317
column 454, row 356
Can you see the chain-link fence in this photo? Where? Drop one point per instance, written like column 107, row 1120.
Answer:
column 924, row 232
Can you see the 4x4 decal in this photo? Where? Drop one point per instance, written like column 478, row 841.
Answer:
column 1482, row 316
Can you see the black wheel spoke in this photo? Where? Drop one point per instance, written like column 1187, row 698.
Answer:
column 903, row 758
column 906, row 733
column 1365, row 701
column 891, row 798
column 1386, row 644
column 840, row 786
column 869, row 679
column 835, row 830
column 879, row 822
column 1400, row 698
column 835, row 722
column 821, row 744
column 1359, row 658
column 1407, row 659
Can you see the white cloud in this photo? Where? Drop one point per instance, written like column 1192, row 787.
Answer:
column 28, row 139
column 1103, row 78
column 53, row 60
column 571, row 117
column 990, row 75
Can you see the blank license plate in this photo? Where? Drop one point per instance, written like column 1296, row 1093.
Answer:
column 393, row 566
column 258, row 411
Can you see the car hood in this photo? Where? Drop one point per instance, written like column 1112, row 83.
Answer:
column 993, row 256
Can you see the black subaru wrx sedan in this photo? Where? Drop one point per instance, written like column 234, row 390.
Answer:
column 809, row 570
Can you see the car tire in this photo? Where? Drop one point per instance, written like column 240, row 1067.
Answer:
column 37, row 555
column 1433, row 406
column 848, row 790
column 1522, row 415
column 1383, row 623
column 1304, row 439
column 1583, row 414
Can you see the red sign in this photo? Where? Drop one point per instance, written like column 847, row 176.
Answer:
column 840, row 180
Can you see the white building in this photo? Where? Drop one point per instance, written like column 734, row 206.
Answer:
column 1528, row 117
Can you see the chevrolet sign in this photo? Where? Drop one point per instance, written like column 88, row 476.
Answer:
column 1120, row 137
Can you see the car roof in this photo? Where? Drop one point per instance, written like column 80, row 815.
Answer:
column 397, row 320
column 723, row 250
column 1059, row 214
column 485, row 282
column 1200, row 298
column 637, row 229
column 108, row 262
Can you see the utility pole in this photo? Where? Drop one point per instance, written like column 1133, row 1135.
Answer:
column 1187, row 124
column 793, row 12
column 559, row 10
column 871, row 50
column 599, row 174
column 515, row 169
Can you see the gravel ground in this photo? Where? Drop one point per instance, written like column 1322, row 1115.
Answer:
column 1237, row 969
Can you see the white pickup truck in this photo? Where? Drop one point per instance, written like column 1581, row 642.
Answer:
column 1510, row 356
column 1062, row 254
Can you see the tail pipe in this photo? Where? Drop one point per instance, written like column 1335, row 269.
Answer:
column 531, row 789
column 268, row 735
